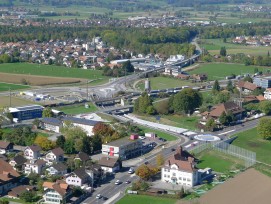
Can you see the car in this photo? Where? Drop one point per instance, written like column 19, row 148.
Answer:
column 146, row 162
column 173, row 149
column 127, row 182
column 117, row 182
column 131, row 171
column 105, row 198
column 98, row 196
column 142, row 137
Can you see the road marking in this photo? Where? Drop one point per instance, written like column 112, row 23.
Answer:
column 223, row 133
column 112, row 198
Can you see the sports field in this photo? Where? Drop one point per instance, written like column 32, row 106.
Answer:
column 6, row 86
column 221, row 70
column 143, row 199
column 77, row 109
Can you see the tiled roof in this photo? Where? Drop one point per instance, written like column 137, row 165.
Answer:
column 226, row 107
column 59, row 167
column 7, row 172
column 35, row 148
column 108, row 161
column 59, row 186
column 57, row 151
column 4, row 144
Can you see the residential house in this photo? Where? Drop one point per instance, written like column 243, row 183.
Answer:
column 246, row 87
column 180, row 169
column 54, row 156
column 17, row 191
column 83, row 157
column 51, row 124
column 183, row 76
column 200, row 77
column 5, row 147
column 18, row 162
column 56, row 193
column 96, row 171
column 80, row 177
column 59, row 169
column 267, row 94
column 32, row 152
column 34, row 166
column 110, row 164
column 8, row 177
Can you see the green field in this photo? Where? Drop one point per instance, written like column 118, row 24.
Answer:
column 77, row 109
column 249, row 140
column 213, row 46
column 218, row 161
column 50, row 70
column 7, row 86
column 221, row 70
column 15, row 101
column 164, row 83
column 161, row 134
column 143, row 199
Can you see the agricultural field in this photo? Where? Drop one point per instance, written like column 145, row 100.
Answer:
column 213, row 46
column 4, row 101
column 6, row 86
column 77, row 109
column 143, row 199
column 218, row 161
column 164, row 83
column 221, row 70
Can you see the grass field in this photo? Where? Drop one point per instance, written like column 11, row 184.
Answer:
column 6, row 87
column 77, row 109
column 213, row 46
column 143, row 199
column 221, row 70
column 164, row 83
column 218, row 161
column 161, row 134
column 4, row 101
column 249, row 140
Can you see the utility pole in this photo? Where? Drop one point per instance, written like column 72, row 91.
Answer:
column 87, row 91
column 9, row 97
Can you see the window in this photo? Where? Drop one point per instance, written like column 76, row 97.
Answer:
column 174, row 174
column 165, row 175
column 184, row 179
column 180, row 178
column 188, row 179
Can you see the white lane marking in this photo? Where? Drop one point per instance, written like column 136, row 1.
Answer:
column 223, row 133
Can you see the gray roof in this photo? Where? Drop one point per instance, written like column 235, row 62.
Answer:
column 60, row 167
column 80, row 121
column 122, row 141
column 81, row 173
column 53, row 121
column 25, row 108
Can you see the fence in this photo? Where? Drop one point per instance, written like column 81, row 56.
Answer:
column 248, row 156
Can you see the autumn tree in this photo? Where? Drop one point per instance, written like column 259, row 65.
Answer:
column 44, row 143
column 160, row 160
column 163, row 107
column 47, row 113
column 264, row 128
column 145, row 172
column 102, row 129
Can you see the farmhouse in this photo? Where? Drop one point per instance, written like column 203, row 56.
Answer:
column 246, row 87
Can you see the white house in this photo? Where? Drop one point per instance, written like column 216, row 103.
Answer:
column 54, row 156
column 56, row 193
column 51, row 124
column 80, row 177
column 110, row 164
column 32, row 152
column 34, row 166
column 267, row 94
column 180, row 169
column 59, row 169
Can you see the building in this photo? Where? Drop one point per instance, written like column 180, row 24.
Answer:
column 18, row 162
column 264, row 82
column 17, row 191
column 5, row 147
column 173, row 59
column 246, row 87
column 51, row 124
column 180, row 169
column 54, row 156
column 8, row 177
column 56, row 193
column 83, row 157
column 123, row 148
column 34, row 166
column 267, row 94
column 26, row 112
column 110, row 164
column 32, row 152
column 86, row 125
column 200, row 77
column 59, row 169
column 80, row 177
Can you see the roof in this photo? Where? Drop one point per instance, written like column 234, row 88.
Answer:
column 182, row 159
column 108, row 161
column 4, row 144
column 60, row 167
column 226, row 107
column 19, row 159
column 82, row 156
column 247, row 85
column 25, row 108
column 59, row 186
column 52, row 121
column 7, row 172
column 35, row 148
column 80, row 121
column 38, row 162
column 122, row 142
column 57, row 151
column 260, row 98
column 81, row 173
column 17, row 191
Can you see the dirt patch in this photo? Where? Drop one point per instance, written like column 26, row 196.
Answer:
column 37, row 80
column 253, row 144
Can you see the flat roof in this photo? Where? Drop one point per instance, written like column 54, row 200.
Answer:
column 80, row 121
column 122, row 142
column 25, row 108
column 53, row 121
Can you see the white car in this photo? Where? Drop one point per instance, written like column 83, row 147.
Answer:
column 98, row 196
column 117, row 182
column 142, row 137
column 131, row 171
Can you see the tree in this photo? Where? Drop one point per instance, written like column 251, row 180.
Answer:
column 96, row 141
column 128, row 67
column 216, row 87
column 265, row 107
column 142, row 104
column 210, row 124
column 150, row 110
column 69, row 146
column 36, row 122
column 160, row 160
column 230, row 86
column 223, row 118
column 221, row 97
column 223, row 51
column 60, row 141
column 256, row 70
column 145, row 172
column 28, row 196
column 248, row 78
column 186, row 101
column 44, row 143
column 47, row 113
column 163, row 107
column 102, row 129
column 10, row 116
column 264, row 128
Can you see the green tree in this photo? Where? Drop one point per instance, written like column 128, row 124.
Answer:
column 248, row 78
column 47, row 113
column 28, row 196
column 150, row 110
column 128, row 67
column 223, row 118
column 264, row 128
column 36, row 122
column 265, row 107
column 160, row 160
column 216, row 87
column 223, row 51
column 96, row 141
column 210, row 124
column 60, row 141
column 230, row 86
column 163, row 107
column 69, row 146
column 221, row 97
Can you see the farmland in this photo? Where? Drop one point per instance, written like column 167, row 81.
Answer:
column 6, row 86
column 4, row 101
column 221, row 70
column 142, row 199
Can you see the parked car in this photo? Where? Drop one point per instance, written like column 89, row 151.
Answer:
column 105, row 198
column 127, row 182
column 98, row 196
column 117, row 182
column 131, row 171
column 142, row 137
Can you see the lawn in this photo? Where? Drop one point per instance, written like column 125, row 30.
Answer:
column 218, row 161
column 164, row 83
column 7, row 86
column 77, row 109
column 161, row 134
column 50, row 70
column 143, row 199
column 249, row 140
column 221, row 70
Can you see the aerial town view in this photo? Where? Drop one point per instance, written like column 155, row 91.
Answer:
column 135, row 101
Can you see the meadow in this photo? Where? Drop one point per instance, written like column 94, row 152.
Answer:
column 7, row 86
column 77, row 109
column 143, row 199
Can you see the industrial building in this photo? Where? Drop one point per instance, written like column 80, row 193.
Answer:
column 26, row 112
column 264, row 82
